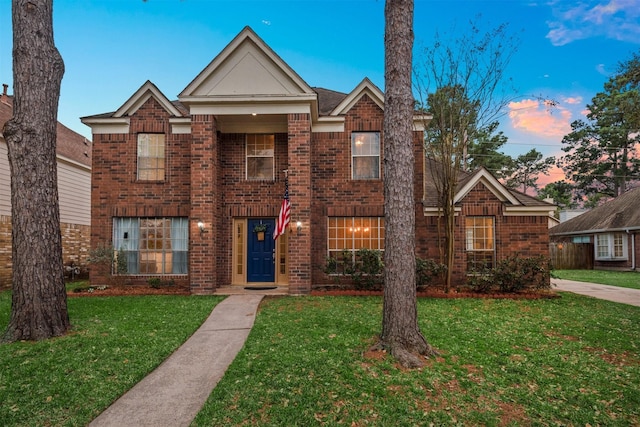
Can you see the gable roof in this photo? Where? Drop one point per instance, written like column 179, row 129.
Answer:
column 246, row 67
column 515, row 202
column 142, row 95
column 69, row 144
column 619, row 214
column 247, row 78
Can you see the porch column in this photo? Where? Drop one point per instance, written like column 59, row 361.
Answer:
column 204, row 197
column 299, row 152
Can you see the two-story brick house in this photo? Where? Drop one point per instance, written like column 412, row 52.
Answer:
column 179, row 187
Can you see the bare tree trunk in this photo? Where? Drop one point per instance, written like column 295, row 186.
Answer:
column 39, row 304
column 400, row 331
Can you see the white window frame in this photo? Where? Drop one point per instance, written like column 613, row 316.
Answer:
column 608, row 243
column 363, row 137
column 471, row 240
column 148, row 147
column 355, row 236
column 248, row 156
column 128, row 241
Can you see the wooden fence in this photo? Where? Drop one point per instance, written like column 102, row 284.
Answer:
column 571, row 256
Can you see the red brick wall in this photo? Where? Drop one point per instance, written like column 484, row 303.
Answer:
column 205, row 180
column 524, row 236
column 115, row 190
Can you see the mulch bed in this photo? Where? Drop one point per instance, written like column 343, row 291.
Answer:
column 442, row 294
column 177, row 290
column 112, row 291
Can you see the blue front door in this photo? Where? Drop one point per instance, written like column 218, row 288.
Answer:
column 260, row 253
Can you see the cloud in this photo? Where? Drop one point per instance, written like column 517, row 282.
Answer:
column 265, row 22
column 573, row 100
column 535, row 116
column 613, row 19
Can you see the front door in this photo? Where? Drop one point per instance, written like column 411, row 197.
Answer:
column 260, row 251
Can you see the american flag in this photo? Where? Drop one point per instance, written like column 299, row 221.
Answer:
column 285, row 212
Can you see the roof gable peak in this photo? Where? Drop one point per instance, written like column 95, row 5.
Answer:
column 142, row 95
column 366, row 87
column 247, row 66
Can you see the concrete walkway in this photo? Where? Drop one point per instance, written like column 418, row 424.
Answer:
column 609, row 293
column 173, row 394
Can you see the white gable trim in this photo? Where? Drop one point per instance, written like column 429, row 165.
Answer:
column 364, row 88
column 146, row 91
column 245, row 46
column 491, row 183
column 107, row 125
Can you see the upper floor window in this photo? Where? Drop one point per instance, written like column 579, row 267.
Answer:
column 365, row 155
column 260, row 156
column 150, row 157
column 480, row 243
column 611, row 246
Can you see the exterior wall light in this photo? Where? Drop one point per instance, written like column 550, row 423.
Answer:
column 298, row 226
column 201, row 227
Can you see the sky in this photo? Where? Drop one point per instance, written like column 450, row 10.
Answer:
column 567, row 50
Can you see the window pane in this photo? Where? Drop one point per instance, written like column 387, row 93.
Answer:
column 479, row 243
column 365, row 153
column 260, row 156
column 366, row 168
column 353, row 233
column 154, row 245
column 151, row 154
column 260, row 168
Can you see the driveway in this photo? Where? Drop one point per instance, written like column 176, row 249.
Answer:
column 606, row 292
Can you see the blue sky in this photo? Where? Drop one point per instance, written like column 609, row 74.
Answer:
column 111, row 47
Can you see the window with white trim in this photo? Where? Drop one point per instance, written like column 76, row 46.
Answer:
column 152, row 245
column 480, row 243
column 260, row 156
column 151, row 157
column 611, row 247
column 354, row 233
column 365, row 155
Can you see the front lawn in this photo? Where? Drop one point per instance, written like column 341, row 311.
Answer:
column 114, row 343
column 567, row 361
column 624, row 279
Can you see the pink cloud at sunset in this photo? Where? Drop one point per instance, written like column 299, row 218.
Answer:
column 573, row 100
column 534, row 116
column 555, row 174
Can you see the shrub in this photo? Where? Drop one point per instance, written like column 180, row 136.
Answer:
column 426, row 270
column 513, row 274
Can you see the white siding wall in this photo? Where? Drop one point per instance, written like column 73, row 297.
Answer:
column 5, row 183
column 74, row 190
column 74, row 193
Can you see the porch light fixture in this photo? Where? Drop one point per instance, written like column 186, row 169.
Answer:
column 298, row 226
column 201, row 227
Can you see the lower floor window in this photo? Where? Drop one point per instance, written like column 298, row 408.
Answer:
column 353, row 233
column 480, row 243
column 151, row 245
column 611, row 246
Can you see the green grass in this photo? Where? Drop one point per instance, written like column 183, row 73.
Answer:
column 114, row 343
column 567, row 361
column 624, row 279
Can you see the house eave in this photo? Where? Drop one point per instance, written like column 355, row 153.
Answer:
column 597, row 231
column 107, row 125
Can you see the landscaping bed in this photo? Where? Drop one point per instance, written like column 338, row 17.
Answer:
column 542, row 294
column 126, row 290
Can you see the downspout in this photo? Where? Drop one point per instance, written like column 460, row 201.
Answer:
column 633, row 249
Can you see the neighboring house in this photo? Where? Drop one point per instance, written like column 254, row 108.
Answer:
column 178, row 187
column 74, row 191
column 613, row 228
